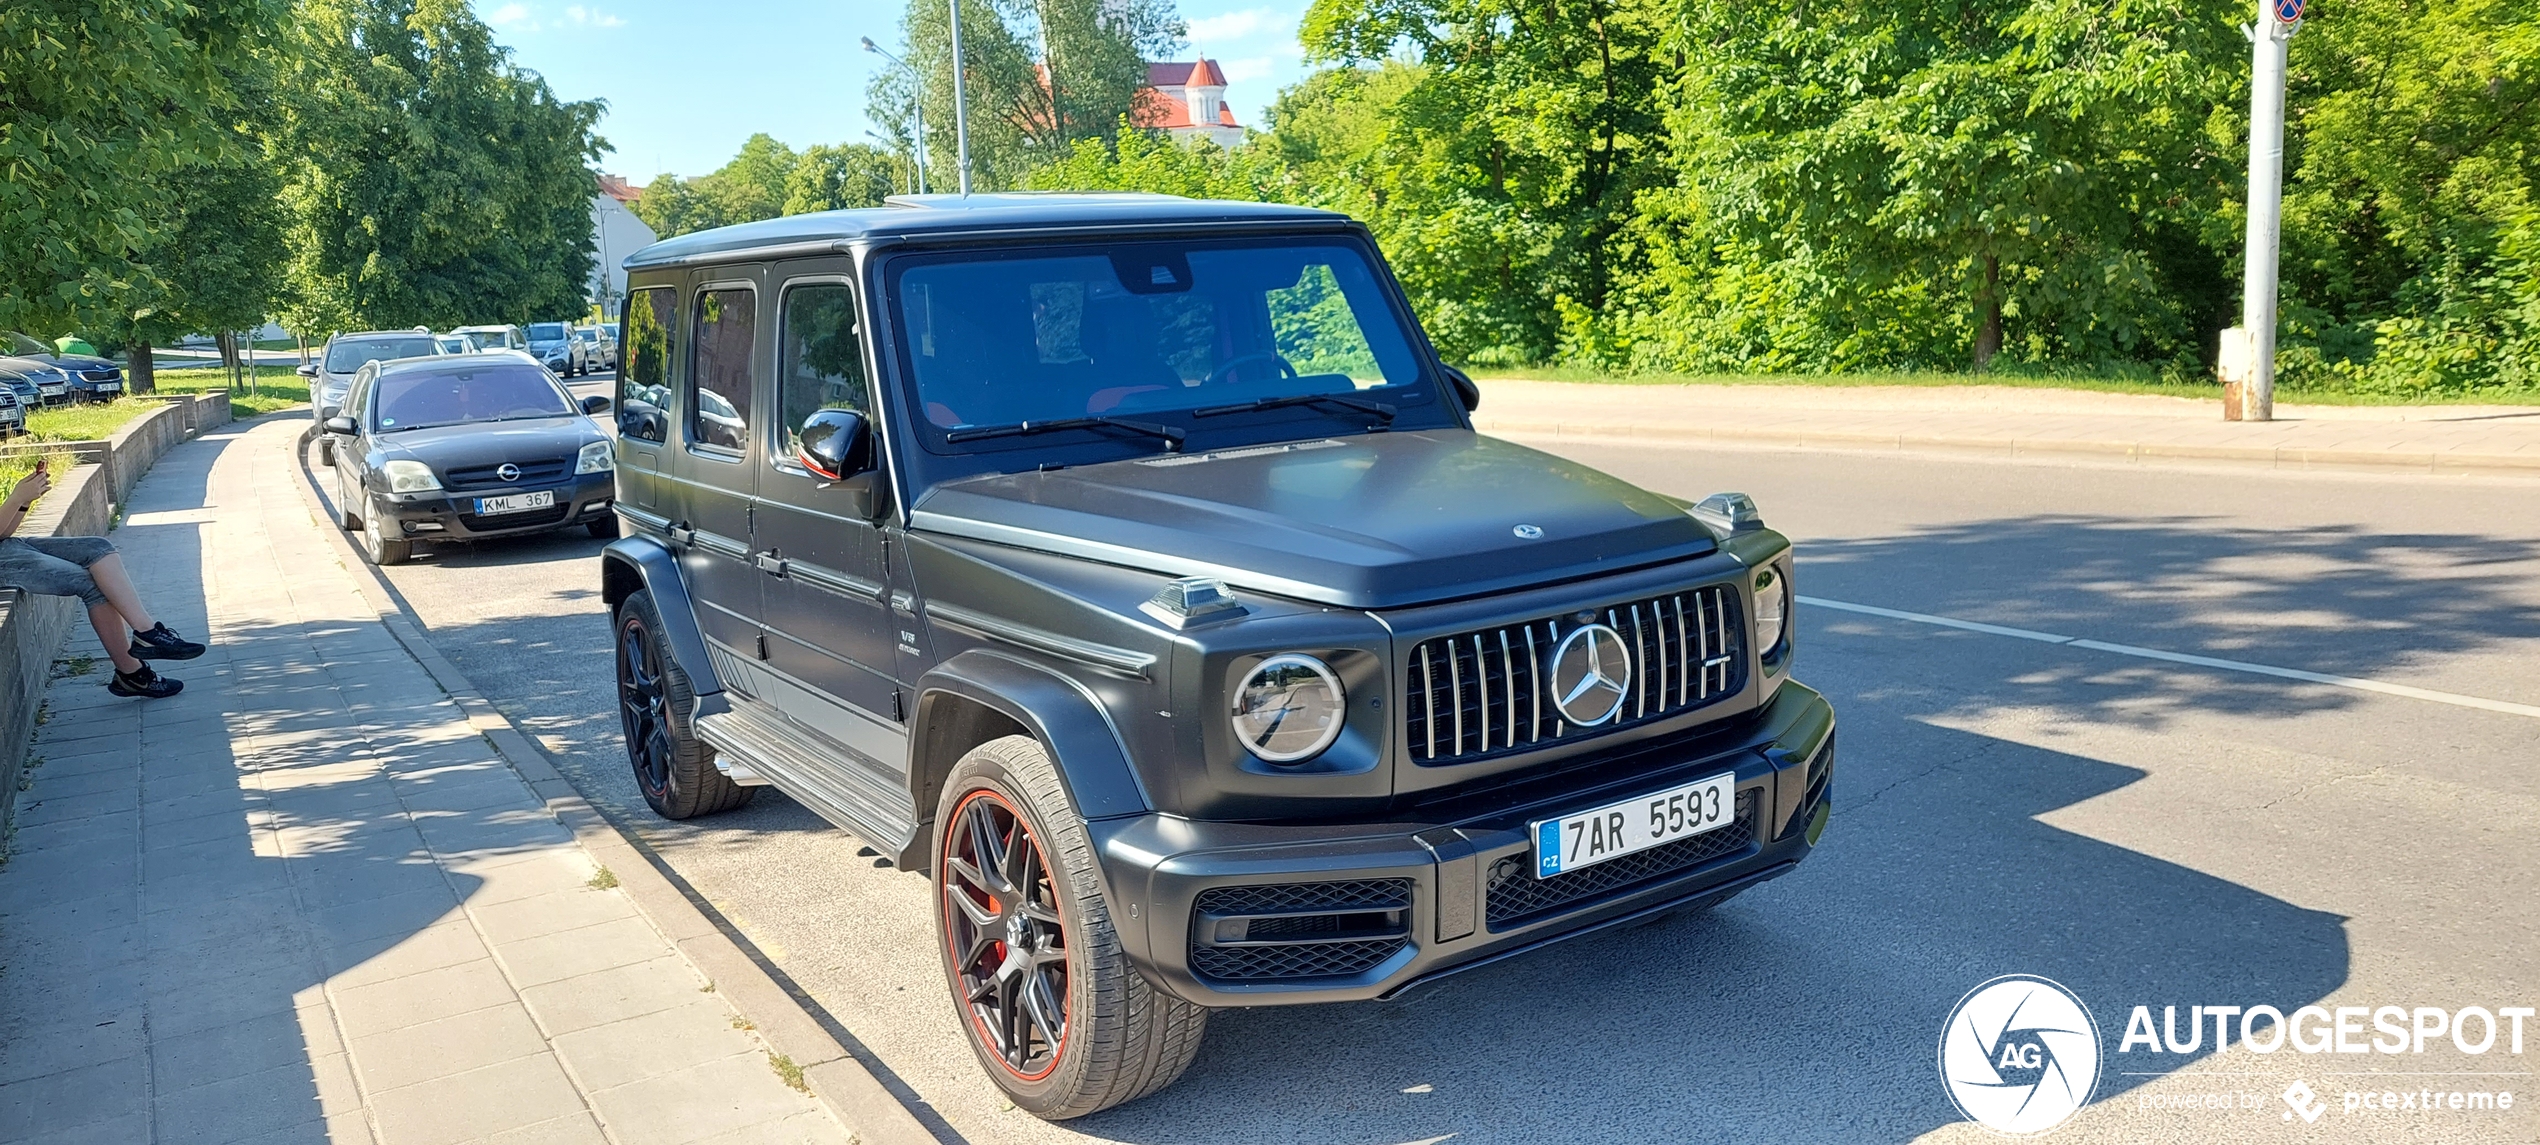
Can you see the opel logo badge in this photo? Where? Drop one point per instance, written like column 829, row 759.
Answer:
column 1528, row 532
column 507, row 471
column 1591, row 671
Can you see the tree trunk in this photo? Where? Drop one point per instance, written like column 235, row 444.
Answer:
column 1989, row 315
column 140, row 372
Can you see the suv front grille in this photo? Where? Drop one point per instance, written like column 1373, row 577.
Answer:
column 1290, row 931
column 1516, row 896
column 1477, row 694
column 533, row 475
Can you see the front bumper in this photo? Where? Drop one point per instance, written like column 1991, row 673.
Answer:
column 441, row 515
column 1237, row 914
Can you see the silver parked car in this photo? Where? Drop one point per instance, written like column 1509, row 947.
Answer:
column 346, row 354
column 603, row 343
column 555, row 347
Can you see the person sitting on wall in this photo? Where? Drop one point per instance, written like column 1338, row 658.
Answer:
column 88, row 568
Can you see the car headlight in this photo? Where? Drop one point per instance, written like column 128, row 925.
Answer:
column 1772, row 610
column 409, row 477
column 596, row 458
column 1289, row 708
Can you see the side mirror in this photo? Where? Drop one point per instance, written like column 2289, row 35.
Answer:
column 836, row 444
column 341, row 424
column 596, row 404
column 1465, row 391
column 306, row 371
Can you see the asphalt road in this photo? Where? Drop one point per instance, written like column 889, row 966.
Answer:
column 2145, row 833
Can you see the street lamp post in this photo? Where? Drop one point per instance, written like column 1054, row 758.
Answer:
column 919, row 105
column 2277, row 21
column 961, row 109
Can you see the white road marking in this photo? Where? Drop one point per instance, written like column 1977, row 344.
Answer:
column 2403, row 690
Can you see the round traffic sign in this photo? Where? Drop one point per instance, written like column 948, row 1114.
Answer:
column 2288, row 11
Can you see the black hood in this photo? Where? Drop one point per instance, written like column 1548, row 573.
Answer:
column 492, row 443
column 1381, row 521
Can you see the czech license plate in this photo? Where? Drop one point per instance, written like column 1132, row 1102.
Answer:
column 1618, row 829
column 515, row 503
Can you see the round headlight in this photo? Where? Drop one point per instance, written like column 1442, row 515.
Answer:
column 1772, row 610
column 1289, row 708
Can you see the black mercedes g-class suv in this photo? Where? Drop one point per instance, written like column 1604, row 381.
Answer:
column 1130, row 565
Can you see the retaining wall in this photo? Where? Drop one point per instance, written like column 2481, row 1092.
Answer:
column 32, row 627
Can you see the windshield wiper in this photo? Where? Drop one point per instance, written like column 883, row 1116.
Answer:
column 1382, row 412
column 1172, row 437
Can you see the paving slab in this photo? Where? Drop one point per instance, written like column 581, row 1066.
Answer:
column 307, row 900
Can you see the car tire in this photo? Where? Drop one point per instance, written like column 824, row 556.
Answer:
column 1118, row 1038
column 382, row 549
column 604, row 528
column 673, row 769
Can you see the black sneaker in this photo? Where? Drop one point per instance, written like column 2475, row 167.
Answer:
column 145, row 684
column 161, row 644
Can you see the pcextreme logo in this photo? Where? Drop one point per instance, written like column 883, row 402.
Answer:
column 2020, row 1054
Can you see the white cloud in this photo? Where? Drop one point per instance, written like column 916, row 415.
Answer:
column 1241, row 71
column 593, row 17
column 1239, row 24
column 512, row 17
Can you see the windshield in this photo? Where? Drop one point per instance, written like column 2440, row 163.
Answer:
column 587, row 335
column 1151, row 332
column 348, row 355
column 21, row 344
column 546, row 332
column 499, row 339
column 497, row 391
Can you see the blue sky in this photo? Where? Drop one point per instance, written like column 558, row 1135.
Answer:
column 686, row 82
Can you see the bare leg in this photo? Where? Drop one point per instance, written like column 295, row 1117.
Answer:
column 117, row 585
column 112, row 633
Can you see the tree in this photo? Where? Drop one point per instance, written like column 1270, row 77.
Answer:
column 836, row 178
column 749, row 188
column 1153, row 161
column 429, row 181
column 1040, row 75
column 104, row 104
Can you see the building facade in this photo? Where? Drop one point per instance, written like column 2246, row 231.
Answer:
column 616, row 233
column 1188, row 101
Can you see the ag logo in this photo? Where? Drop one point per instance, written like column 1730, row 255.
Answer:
column 1591, row 671
column 2020, row 1054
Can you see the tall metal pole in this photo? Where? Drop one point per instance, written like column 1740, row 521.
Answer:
column 2267, row 46
column 961, row 108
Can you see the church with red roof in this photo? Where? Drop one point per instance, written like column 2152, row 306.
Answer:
column 1188, row 100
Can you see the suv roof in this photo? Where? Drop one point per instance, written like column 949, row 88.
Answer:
column 408, row 332
column 920, row 216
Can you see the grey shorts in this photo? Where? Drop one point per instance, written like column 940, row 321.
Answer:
column 54, row 566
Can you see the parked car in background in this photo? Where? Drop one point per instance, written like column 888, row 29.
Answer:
column 21, row 387
column 12, row 413
column 454, row 343
column 555, row 347
column 467, row 447
column 51, row 383
column 85, row 377
column 494, row 337
column 346, row 354
column 603, row 343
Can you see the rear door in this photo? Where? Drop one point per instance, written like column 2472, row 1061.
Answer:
column 646, row 404
column 828, row 613
column 714, row 469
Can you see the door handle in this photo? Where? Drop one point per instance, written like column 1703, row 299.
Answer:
column 679, row 533
column 768, row 562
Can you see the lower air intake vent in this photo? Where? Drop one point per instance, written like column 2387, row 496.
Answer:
column 1295, row 931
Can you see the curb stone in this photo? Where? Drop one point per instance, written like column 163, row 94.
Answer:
column 872, row 1113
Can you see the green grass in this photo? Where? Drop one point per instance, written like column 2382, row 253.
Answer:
column 272, row 388
column 91, row 422
column 2096, row 384
column 15, row 469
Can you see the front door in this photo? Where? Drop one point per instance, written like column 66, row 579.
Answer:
column 714, row 493
column 827, row 612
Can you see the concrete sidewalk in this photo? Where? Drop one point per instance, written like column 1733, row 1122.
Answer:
column 2020, row 422
column 306, row 901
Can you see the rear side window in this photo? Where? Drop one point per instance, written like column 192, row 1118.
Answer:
column 820, row 358
column 643, row 374
column 719, row 401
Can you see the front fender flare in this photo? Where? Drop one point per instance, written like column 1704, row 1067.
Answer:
column 1058, row 711
column 629, row 563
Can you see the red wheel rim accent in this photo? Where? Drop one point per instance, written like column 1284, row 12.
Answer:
column 1005, row 935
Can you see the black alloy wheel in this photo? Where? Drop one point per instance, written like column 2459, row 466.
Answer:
column 642, row 707
column 674, row 770
column 1006, row 935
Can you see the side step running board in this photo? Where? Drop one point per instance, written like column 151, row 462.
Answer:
column 840, row 792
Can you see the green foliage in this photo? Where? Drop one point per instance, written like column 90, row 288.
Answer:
column 1139, row 160
column 1040, row 75
column 429, row 180
column 749, row 188
column 107, row 109
column 837, row 178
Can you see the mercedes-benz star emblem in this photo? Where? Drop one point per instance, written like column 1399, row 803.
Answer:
column 1591, row 672
column 1528, row 532
column 507, row 471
